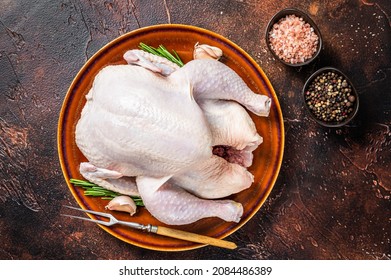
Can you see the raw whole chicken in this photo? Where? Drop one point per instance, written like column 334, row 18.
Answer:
column 178, row 137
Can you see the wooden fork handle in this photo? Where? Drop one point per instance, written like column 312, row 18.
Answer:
column 183, row 235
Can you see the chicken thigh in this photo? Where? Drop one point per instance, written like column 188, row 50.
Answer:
column 155, row 132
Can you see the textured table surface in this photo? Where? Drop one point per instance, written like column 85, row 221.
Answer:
column 332, row 196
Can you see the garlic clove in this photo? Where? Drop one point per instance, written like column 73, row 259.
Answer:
column 122, row 203
column 206, row 51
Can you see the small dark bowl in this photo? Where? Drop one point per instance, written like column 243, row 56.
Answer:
column 353, row 92
column 293, row 11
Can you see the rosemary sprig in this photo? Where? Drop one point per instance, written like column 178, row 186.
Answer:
column 163, row 52
column 91, row 189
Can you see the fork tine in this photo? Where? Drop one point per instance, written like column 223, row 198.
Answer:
column 87, row 219
column 107, row 215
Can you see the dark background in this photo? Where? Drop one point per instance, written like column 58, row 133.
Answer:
column 332, row 197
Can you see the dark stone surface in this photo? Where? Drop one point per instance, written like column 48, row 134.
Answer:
column 332, row 197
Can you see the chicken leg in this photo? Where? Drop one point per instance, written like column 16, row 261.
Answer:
column 173, row 205
column 211, row 79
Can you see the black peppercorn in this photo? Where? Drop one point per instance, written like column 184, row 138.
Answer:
column 329, row 97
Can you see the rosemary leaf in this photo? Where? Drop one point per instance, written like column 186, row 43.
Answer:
column 163, row 52
column 91, row 189
column 177, row 56
column 149, row 49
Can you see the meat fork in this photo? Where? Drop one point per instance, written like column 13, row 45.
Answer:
column 160, row 230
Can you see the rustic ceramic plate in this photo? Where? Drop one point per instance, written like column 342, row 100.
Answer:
column 181, row 38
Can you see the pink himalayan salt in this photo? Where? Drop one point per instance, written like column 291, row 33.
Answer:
column 293, row 40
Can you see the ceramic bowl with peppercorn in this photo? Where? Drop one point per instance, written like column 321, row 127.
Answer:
column 330, row 97
column 293, row 37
